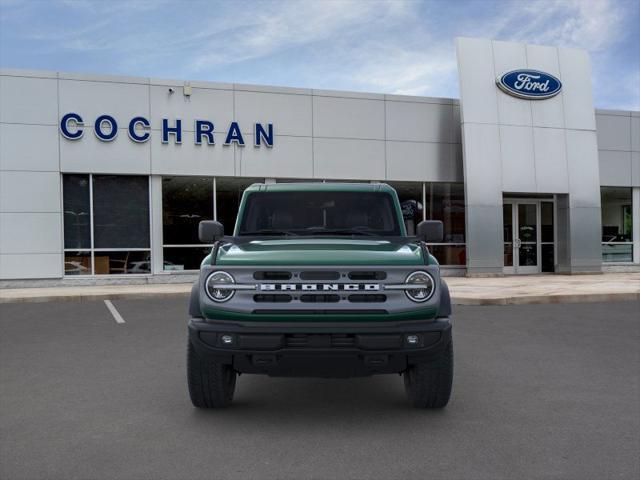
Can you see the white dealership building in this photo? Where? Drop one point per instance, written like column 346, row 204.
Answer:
column 104, row 178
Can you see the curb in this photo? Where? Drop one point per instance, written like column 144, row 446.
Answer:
column 92, row 297
column 547, row 299
column 455, row 300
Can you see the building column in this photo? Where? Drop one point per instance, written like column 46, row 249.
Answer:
column 157, row 255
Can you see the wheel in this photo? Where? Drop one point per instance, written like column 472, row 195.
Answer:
column 428, row 383
column 211, row 384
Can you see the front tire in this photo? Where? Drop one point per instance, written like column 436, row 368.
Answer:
column 428, row 383
column 211, row 384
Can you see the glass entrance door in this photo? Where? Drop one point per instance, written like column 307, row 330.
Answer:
column 523, row 235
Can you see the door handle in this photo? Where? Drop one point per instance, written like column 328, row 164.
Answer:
column 518, row 243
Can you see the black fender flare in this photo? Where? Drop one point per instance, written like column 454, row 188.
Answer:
column 194, row 301
column 444, row 309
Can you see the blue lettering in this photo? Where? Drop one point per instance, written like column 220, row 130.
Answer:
column 260, row 134
column 64, row 126
column 106, row 137
column 167, row 130
column 234, row 135
column 133, row 135
column 203, row 128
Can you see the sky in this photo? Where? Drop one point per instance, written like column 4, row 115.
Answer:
column 402, row 47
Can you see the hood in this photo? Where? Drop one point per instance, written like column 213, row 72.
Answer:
column 321, row 251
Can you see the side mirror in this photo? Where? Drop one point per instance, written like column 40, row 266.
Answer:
column 210, row 231
column 430, row 231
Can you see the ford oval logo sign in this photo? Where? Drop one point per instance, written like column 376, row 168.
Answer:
column 529, row 84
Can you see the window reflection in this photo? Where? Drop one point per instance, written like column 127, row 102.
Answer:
column 617, row 224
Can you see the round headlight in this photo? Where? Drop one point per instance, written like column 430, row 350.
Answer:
column 425, row 286
column 215, row 286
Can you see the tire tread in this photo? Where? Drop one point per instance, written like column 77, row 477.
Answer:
column 211, row 384
column 428, row 384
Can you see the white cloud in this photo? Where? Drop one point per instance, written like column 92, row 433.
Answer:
column 399, row 46
column 291, row 25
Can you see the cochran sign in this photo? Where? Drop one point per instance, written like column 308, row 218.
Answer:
column 105, row 128
column 529, row 84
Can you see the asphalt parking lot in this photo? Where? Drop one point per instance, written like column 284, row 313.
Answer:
column 540, row 391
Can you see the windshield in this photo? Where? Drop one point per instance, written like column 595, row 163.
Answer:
column 319, row 213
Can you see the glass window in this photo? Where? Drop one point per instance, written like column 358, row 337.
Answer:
column 119, row 208
column 184, row 258
column 445, row 202
column 122, row 262
column 120, row 211
column 410, row 196
column 186, row 201
column 507, row 229
column 547, row 254
column 228, row 196
column 318, row 213
column 617, row 224
column 77, row 263
column 77, row 215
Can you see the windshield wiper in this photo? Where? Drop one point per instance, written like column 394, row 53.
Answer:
column 266, row 231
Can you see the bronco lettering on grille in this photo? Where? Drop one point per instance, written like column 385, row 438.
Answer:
column 325, row 287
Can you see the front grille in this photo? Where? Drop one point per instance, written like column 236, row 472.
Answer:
column 319, row 275
column 318, row 290
column 319, row 298
column 320, row 341
column 367, row 275
column 272, row 298
column 364, row 298
column 275, row 275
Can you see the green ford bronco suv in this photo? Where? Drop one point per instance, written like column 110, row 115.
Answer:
column 320, row 279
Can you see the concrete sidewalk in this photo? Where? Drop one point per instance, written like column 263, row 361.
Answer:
column 512, row 290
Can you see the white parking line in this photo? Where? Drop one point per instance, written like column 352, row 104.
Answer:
column 114, row 312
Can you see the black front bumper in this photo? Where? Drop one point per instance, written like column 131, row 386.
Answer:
column 344, row 349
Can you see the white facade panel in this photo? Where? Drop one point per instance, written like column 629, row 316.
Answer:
column 215, row 106
column 419, row 122
column 582, row 164
column 456, row 126
column 414, row 161
column 336, row 158
column 477, row 81
column 191, row 159
column 29, row 147
column 289, row 114
column 614, row 132
column 509, row 56
column 518, row 163
column 29, row 100
column 348, row 118
column 550, row 153
column 615, row 168
column 635, row 169
column 30, row 233
column 29, row 192
column 482, row 163
column 30, row 266
column 550, row 112
column 293, row 158
column 123, row 101
column 577, row 90
column 121, row 155
column 635, row 133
